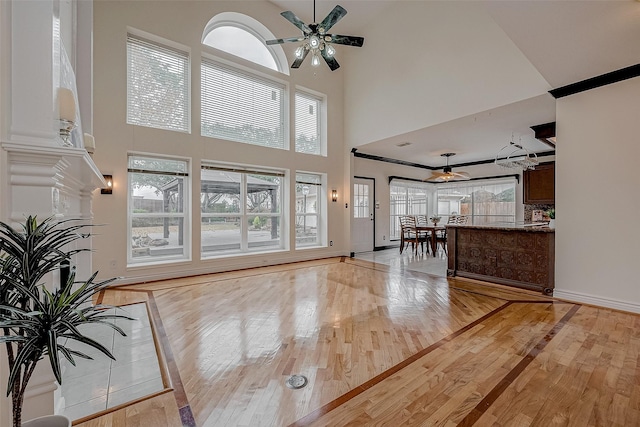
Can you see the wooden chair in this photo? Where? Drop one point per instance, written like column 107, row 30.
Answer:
column 441, row 239
column 462, row 219
column 409, row 234
column 425, row 236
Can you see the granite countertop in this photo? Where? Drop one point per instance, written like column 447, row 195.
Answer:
column 507, row 226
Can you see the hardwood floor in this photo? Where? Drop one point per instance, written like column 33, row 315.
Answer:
column 380, row 346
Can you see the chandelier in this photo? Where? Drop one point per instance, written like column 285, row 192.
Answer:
column 515, row 156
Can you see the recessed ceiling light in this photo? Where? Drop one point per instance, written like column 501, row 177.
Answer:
column 403, row 144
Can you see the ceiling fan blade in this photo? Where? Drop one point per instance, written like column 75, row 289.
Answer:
column 462, row 175
column 332, row 18
column 287, row 40
column 330, row 60
column 436, row 176
column 291, row 17
column 348, row 40
column 298, row 61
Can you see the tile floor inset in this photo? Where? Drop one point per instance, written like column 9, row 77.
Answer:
column 423, row 262
column 95, row 385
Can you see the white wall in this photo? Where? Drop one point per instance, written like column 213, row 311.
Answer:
column 183, row 23
column 597, row 232
column 443, row 60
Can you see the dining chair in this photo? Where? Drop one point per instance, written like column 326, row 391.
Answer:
column 441, row 239
column 462, row 219
column 424, row 236
column 410, row 234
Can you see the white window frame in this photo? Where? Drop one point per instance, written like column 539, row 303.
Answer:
column 253, row 27
column 321, row 122
column 185, row 215
column 394, row 222
column 320, row 215
column 478, row 183
column 243, row 215
column 250, row 73
column 166, row 45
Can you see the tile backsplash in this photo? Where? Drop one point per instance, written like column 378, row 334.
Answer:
column 528, row 210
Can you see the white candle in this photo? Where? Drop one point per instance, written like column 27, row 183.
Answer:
column 89, row 143
column 66, row 104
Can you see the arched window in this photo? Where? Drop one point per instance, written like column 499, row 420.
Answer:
column 243, row 36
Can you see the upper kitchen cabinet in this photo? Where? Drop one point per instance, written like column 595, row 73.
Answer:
column 539, row 184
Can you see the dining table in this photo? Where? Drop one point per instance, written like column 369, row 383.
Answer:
column 432, row 228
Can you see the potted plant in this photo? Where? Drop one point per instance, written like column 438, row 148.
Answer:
column 551, row 213
column 35, row 321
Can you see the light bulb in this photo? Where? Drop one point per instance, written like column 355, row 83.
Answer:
column 315, row 61
column 330, row 50
column 314, row 42
column 300, row 52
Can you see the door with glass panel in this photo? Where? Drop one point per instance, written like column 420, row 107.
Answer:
column 363, row 215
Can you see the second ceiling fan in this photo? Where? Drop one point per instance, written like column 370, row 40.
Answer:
column 316, row 38
column 447, row 173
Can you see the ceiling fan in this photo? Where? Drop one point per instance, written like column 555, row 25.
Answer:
column 316, row 39
column 447, row 174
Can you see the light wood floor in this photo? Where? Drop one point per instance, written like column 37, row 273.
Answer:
column 380, row 347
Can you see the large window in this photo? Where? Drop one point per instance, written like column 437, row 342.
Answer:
column 240, row 42
column 245, row 37
column 158, row 209
column 308, row 123
column 241, row 210
column 406, row 199
column 309, row 197
column 157, row 85
column 485, row 202
column 241, row 106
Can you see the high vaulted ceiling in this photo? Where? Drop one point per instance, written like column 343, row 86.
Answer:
column 462, row 76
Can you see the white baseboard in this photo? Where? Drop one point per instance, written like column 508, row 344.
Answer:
column 230, row 264
column 596, row 300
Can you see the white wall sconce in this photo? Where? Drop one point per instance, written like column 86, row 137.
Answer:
column 67, row 112
column 334, row 195
column 109, row 188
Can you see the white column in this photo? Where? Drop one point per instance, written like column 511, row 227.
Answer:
column 35, row 65
column 39, row 176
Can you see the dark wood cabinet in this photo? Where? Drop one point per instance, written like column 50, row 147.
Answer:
column 523, row 257
column 539, row 184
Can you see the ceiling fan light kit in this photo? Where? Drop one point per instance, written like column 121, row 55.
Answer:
column 316, row 40
column 447, row 173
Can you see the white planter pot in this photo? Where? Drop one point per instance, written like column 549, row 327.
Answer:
column 552, row 223
column 48, row 421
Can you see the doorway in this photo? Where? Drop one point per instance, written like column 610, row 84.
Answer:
column 363, row 225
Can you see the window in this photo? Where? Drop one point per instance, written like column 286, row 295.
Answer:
column 240, row 106
column 240, row 209
column 309, row 197
column 239, row 42
column 485, row 202
column 158, row 209
column 308, row 123
column 245, row 37
column 157, row 85
column 406, row 199
column 360, row 201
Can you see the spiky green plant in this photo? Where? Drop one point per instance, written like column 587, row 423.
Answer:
column 33, row 319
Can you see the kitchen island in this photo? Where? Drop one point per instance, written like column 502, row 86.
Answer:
column 513, row 255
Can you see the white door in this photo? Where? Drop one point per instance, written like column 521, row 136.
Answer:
column 362, row 225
